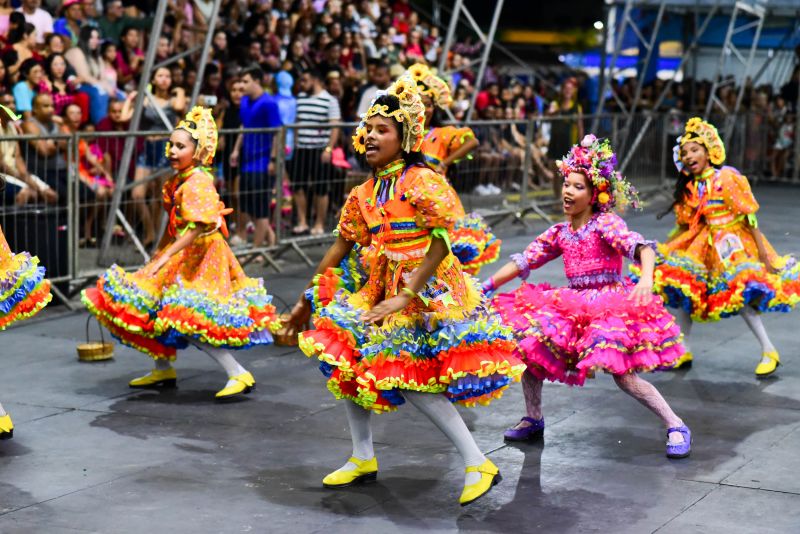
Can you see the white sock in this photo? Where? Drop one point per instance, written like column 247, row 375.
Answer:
column 360, row 432
column 684, row 321
column 445, row 416
column 2, row 411
column 753, row 320
column 224, row 358
column 162, row 364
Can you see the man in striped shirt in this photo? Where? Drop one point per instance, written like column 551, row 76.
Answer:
column 311, row 169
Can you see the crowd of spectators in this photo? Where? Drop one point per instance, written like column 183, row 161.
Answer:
column 74, row 66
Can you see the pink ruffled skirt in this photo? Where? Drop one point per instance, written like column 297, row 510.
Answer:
column 567, row 334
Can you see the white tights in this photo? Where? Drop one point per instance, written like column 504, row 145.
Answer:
column 438, row 409
column 220, row 355
column 750, row 316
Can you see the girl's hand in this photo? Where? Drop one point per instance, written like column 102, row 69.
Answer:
column 301, row 313
column 387, row 307
column 488, row 287
column 642, row 293
column 152, row 268
column 771, row 269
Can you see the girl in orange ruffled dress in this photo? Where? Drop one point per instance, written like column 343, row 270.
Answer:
column 193, row 290
column 23, row 290
column 473, row 242
column 716, row 262
column 417, row 329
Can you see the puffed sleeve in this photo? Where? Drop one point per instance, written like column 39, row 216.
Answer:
column 683, row 213
column 543, row 249
column 459, row 136
column 615, row 232
column 352, row 225
column 736, row 192
column 434, row 199
column 198, row 203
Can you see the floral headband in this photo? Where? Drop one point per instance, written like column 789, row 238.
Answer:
column 410, row 113
column 431, row 85
column 200, row 124
column 594, row 158
column 699, row 131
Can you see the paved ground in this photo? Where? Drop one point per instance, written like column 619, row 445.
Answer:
column 90, row 455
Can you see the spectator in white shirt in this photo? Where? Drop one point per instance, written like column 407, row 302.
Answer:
column 41, row 19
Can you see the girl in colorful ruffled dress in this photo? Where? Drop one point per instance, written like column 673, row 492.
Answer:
column 473, row 242
column 193, row 290
column 716, row 262
column 23, row 291
column 417, row 329
column 599, row 322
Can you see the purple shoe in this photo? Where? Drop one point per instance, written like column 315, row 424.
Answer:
column 530, row 433
column 680, row 450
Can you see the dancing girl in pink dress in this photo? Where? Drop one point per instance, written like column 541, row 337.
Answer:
column 600, row 321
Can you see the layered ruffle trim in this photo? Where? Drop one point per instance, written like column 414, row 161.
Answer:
column 26, row 301
column 240, row 320
column 567, row 335
column 20, row 279
column 350, row 275
column 684, row 283
column 471, row 362
column 473, row 243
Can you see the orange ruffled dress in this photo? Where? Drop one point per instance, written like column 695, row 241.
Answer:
column 201, row 292
column 23, row 288
column 472, row 240
column 444, row 341
column 710, row 265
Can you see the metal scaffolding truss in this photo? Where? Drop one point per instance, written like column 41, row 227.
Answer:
column 122, row 183
column 459, row 11
column 626, row 133
column 745, row 17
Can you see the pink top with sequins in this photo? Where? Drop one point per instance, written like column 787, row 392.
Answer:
column 592, row 254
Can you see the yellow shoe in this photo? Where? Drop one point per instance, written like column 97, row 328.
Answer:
column 684, row 362
column 166, row 378
column 6, row 427
column 365, row 471
column 490, row 475
column 766, row 369
column 244, row 384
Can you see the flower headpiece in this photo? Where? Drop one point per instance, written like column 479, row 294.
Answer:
column 410, row 113
column 201, row 126
column 699, row 131
column 428, row 83
column 594, row 159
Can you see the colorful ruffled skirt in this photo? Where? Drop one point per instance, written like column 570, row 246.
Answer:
column 567, row 335
column 709, row 295
column 464, row 353
column 473, row 243
column 23, row 288
column 201, row 293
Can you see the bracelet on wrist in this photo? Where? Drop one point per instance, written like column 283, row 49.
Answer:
column 408, row 292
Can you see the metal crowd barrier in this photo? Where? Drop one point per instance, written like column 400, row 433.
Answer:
column 509, row 177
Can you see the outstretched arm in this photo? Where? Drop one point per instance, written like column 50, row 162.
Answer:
column 333, row 257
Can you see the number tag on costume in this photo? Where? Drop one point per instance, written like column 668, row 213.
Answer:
column 727, row 245
column 434, row 290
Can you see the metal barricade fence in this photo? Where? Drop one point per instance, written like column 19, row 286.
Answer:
column 294, row 202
